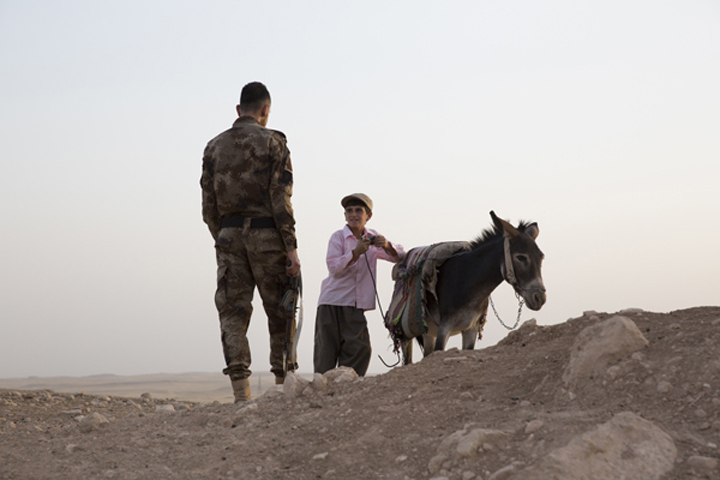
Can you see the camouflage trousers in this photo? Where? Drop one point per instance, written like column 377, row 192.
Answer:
column 247, row 258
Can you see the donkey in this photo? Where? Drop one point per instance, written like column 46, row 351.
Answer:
column 466, row 279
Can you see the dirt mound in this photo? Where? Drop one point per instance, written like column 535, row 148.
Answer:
column 495, row 413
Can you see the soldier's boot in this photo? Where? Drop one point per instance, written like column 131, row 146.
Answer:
column 279, row 380
column 241, row 389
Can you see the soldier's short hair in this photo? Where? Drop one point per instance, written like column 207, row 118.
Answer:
column 253, row 96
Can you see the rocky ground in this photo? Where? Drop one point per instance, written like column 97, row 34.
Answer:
column 527, row 408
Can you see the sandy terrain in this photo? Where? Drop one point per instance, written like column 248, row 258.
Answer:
column 399, row 425
column 195, row 387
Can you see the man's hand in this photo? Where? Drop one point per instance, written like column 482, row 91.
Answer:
column 379, row 241
column 293, row 264
column 363, row 246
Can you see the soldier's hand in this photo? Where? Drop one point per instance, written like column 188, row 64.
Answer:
column 293, row 264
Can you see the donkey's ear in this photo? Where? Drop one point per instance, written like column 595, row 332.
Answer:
column 508, row 230
column 533, row 230
column 495, row 220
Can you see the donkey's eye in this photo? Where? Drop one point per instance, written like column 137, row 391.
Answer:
column 523, row 259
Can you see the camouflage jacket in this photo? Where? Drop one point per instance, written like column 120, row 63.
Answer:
column 247, row 171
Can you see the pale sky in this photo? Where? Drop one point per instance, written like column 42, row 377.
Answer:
column 598, row 120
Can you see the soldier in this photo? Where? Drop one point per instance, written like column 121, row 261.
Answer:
column 246, row 182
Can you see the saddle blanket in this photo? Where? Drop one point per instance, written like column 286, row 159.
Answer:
column 415, row 280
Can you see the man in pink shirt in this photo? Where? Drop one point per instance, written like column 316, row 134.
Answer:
column 341, row 333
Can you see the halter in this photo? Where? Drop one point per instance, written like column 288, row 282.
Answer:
column 512, row 280
column 510, row 277
column 510, row 271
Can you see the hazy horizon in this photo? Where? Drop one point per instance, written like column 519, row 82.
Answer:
column 597, row 120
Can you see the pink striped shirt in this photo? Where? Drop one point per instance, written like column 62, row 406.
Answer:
column 352, row 285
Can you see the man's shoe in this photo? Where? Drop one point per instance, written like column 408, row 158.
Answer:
column 241, row 389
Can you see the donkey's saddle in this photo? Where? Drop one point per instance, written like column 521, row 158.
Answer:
column 415, row 280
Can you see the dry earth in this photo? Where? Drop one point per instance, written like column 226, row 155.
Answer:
column 193, row 387
column 498, row 413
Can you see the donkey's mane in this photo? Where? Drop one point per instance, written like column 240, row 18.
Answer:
column 493, row 233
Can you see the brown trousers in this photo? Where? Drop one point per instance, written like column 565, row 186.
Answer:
column 247, row 258
column 341, row 339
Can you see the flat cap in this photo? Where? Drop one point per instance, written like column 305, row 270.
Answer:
column 357, row 196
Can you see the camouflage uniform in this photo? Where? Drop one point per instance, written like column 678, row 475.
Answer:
column 247, row 173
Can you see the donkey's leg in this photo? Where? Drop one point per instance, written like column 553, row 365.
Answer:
column 474, row 332
column 407, row 349
column 482, row 320
column 423, row 340
column 468, row 338
column 442, row 337
column 427, row 342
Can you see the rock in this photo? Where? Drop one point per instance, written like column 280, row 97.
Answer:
column 321, row 456
column 341, row 375
column 167, row 408
column 532, row 323
column 247, row 408
column 92, row 422
column 625, row 447
column 436, row 463
column 598, row 345
column 613, row 372
column 273, row 391
column 469, row 444
column 702, row 464
column 638, row 356
column 350, row 376
column 664, row 387
column 626, row 311
column 533, row 426
column 504, row 473
column 465, row 443
column 319, row 383
column 294, row 384
column 335, row 373
column 448, row 360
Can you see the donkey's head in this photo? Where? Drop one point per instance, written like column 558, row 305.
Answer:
column 523, row 261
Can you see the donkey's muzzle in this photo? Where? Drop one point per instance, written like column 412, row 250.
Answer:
column 534, row 297
column 537, row 300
